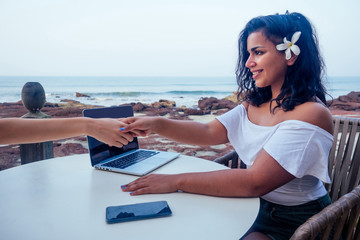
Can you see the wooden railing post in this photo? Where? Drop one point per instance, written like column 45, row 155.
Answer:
column 33, row 98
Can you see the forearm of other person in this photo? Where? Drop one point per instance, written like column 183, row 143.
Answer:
column 18, row 131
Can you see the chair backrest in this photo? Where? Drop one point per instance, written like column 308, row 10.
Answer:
column 344, row 170
column 344, row 157
column 341, row 215
column 230, row 159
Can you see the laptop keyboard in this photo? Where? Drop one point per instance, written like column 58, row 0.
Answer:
column 130, row 159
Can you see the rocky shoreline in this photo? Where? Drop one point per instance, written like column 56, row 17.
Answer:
column 208, row 108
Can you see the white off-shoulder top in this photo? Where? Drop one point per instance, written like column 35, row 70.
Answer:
column 299, row 147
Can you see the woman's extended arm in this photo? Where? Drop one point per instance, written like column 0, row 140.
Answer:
column 262, row 177
column 17, row 130
column 190, row 132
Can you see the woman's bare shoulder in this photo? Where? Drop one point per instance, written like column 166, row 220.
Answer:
column 315, row 113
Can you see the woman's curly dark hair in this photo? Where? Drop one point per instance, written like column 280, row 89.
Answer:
column 303, row 81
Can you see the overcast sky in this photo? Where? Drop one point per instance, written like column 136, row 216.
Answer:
column 157, row 37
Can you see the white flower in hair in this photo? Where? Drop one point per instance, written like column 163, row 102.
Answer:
column 287, row 45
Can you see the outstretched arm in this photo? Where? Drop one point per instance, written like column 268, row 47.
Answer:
column 190, row 132
column 17, row 130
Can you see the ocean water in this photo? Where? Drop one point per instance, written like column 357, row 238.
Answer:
column 338, row 86
column 109, row 91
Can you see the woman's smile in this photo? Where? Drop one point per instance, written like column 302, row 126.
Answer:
column 256, row 74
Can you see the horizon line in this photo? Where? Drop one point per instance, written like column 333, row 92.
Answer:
column 160, row 76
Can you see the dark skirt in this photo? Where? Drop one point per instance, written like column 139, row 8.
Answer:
column 279, row 222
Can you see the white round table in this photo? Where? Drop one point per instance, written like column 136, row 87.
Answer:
column 65, row 198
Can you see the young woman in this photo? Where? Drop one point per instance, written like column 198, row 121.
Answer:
column 282, row 130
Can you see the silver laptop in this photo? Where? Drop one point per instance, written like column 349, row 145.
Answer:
column 130, row 158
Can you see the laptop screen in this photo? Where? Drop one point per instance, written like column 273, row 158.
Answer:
column 100, row 151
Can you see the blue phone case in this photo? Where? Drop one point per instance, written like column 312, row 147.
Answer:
column 138, row 211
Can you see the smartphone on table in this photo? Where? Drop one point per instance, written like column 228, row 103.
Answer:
column 138, row 211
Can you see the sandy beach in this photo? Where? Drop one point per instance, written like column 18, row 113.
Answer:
column 10, row 154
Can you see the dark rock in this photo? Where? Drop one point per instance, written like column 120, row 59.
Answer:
column 167, row 103
column 206, row 103
column 12, row 110
column 69, row 149
column 138, row 107
column 224, row 103
column 9, row 156
column 163, row 104
column 349, row 102
column 351, row 97
column 190, row 111
column 77, row 94
column 51, row 105
column 213, row 103
column 68, row 112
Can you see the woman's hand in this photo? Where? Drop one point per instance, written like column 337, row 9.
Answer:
column 153, row 183
column 138, row 126
column 107, row 130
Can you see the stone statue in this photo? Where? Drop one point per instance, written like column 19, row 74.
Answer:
column 33, row 97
